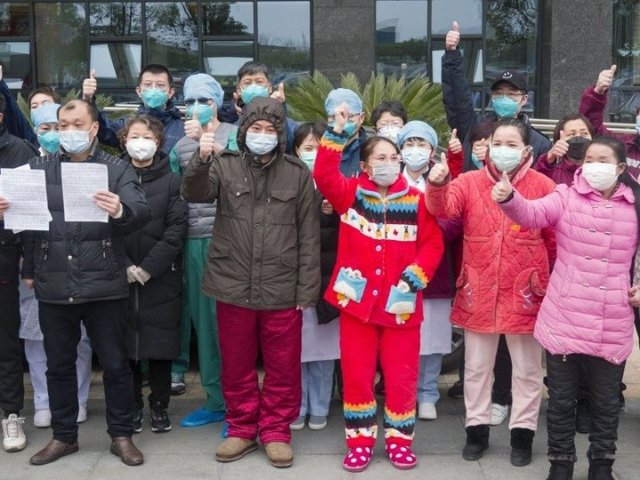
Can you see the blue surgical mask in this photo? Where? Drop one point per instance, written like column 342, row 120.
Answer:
column 476, row 161
column 261, row 143
column 253, row 91
column 505, row 158
column 504, row 107
column 416, row 158
column 75, row 141
column 309, row 158
column 204, row 112
column 350, row 128
column 154, row 98
column 49, row 141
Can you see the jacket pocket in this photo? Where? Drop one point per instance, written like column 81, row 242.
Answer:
column 528, row 292
column 467, row 285
column 282, row 206
column 236, row 202
column 290, row 261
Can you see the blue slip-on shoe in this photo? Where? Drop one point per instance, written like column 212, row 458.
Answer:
column 202, row 417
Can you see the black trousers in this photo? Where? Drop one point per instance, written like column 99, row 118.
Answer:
column 105, row 325
column 11, row 384
column 159, row 382
column 563, row 379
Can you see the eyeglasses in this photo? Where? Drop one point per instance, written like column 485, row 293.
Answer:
column 515, row 96
column 389, row 124
column 192, row 101
column 384, row 159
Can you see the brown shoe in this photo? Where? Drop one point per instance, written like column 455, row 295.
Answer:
column 124, row 448
column 53, row 451
column 234, row 448
column 280, row 454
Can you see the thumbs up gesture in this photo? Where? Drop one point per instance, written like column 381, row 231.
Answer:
column 89, row 86
column 559, row 149
column 452, row 39
column 605, row 79
column 502, row 190
column 454, row 142
column 207, row 145
column 192, row 128
column 439, row 173
column 279, row 93
column 634, row 296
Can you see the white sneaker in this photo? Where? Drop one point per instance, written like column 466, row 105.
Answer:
column 499, row 413
column 13, row 437
column 427, row 411
column 42, row 418
column 299, row 423
column 317, row 422
column 82, row 414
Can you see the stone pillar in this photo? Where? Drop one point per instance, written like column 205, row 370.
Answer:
column 576, row 45
column 343, row 38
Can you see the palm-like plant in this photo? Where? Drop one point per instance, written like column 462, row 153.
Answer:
column 421, row 98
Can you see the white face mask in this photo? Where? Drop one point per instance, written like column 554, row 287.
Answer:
column 600, row 176
column 141, row 148
column 504, row 158
column 261, row 143
column 390, row 132
column 385, row 175
column 75, row 141
column 416, row 158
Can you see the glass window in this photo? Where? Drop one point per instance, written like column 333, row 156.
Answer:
column 14, row 19
column 511, row 37
column 227, row 18
column 61, row 44
column 223, row 59
column 117, row 64
column 468, row 14
column 401, row 37
column 285, row 46
column 15, row 60
column 117, row 19
column 471, row 59
column 172, row 33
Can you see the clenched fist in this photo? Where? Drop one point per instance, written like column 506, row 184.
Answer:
column 207, row 145
column 452, row 39
column 605, row 79
column 502, row 190
column 439, row 173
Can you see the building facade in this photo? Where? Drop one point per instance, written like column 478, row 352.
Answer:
column 560, row 44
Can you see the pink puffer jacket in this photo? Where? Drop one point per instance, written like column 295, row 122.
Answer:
column 586, row 309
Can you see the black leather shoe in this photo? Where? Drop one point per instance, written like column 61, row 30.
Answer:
column 124, row 448
column 53, row 451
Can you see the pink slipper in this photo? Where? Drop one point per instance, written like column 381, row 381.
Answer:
column 357, row 459
column 401, row 456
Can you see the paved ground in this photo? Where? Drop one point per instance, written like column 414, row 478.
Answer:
column 188, row 453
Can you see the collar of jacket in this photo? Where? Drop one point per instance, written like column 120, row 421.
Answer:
column 158, row 168
column 397, row 189
column 583, row 188
column 254, row 160
column 515, row 176
column 64, row 156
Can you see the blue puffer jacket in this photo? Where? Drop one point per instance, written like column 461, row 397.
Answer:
column 171, row 118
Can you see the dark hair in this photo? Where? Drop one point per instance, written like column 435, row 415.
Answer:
column 152, row 124
column 156, row 69
column 393, row 107
column 620, row 152
column 252, row 68
column 366, row 149
column 48, row 91
column 568, row 118
column 481, row 130
column 3, row 104
column 522, row 127
column 314, row 128
column 74, row 103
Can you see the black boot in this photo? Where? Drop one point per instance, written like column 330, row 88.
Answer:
column 560, row 470
column 477, row 442
column 601, row 469
column 521, row 440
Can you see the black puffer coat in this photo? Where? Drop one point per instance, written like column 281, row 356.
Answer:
column 328, row 252
column 155, row 308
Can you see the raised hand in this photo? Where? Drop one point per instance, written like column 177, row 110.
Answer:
column 89, row 86
column 341, row 115
column 439, row 173
column 452, row 39
column 605, row 79
column 634, row 296
column 279, row 93
column 502, row 189
column 207, row 145
column 455, row 146
column 559, row 149
column 480, row 149
column 192, row 128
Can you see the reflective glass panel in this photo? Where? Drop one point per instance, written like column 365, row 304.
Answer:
column 227, row 18
column 223, row 59
column 118, row 19
column 468, row 14
column 117, row 65
column 16, row 64
column 14, row 19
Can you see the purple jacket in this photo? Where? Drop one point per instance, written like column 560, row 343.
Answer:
column 561, row 172
column 592, row 106
column 586, row 309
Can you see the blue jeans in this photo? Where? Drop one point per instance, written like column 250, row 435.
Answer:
column 428, row 380
column 317, row 387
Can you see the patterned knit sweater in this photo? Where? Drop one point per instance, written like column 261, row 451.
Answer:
column 381, row 239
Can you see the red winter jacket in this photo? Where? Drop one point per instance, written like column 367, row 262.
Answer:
column 505, row 267
column 386, row 239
